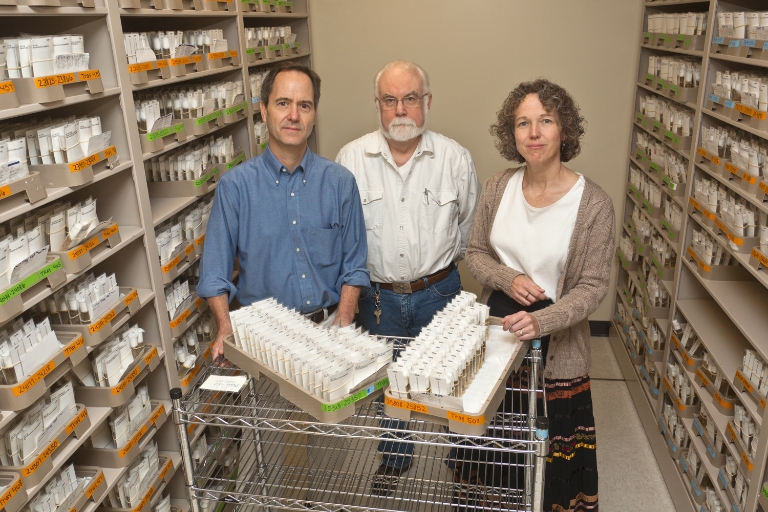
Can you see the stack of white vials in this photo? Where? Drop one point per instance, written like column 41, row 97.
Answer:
column 448, row 352
column 327, row 363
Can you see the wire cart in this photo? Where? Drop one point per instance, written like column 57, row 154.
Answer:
column 266, row 454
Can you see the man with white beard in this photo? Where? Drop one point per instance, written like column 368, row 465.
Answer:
column 419, row 191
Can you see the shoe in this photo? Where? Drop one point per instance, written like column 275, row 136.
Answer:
column 385, row 479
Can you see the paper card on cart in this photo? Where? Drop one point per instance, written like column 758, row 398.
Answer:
column 42, row 353
column 31, row 263
column 224, row 383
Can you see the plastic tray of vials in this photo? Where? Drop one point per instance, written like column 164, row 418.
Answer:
column 474, row 407
column 325, row 372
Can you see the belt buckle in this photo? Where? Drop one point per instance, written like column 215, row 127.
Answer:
column 402, row 287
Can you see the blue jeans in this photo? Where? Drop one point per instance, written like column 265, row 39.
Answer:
column 403, row 315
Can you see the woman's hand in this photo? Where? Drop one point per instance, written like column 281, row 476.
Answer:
column 523, row 324
column 525, row 291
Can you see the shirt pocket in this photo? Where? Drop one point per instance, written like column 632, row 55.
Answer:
column 373, row 208
column 324, row 247
column 439, row 209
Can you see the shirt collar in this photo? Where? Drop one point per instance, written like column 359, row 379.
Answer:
column 274, row 166
column 378, row 144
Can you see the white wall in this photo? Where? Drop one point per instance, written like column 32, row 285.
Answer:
column 475, row 53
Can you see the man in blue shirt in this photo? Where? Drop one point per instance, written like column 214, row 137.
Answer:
column 292, row 218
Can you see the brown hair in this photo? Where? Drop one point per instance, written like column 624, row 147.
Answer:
column 555, row 100
column 269, row 80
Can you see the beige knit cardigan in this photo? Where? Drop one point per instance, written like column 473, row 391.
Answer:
column 582, row 285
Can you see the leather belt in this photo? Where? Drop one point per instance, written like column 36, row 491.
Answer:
column 321, row 314
column 418, row 284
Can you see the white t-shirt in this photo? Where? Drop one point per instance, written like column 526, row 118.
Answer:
column 535, row 240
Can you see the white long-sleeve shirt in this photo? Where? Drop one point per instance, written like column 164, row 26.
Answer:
column 418, row 216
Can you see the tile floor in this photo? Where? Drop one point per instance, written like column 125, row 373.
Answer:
column 629, row 476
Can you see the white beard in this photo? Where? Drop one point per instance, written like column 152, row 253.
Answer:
column 403, row 129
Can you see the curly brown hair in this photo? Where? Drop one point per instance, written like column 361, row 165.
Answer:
column 555, row 100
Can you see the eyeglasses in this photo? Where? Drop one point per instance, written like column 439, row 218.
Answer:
column 390, row 102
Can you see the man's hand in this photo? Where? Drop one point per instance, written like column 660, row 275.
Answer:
column 343, row 320
column 220, row 308
column 525, row 291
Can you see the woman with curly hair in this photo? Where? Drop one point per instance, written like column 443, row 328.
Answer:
column 541, row 247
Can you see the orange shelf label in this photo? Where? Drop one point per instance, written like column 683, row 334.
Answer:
column 131, row 297
column 49, row 81
column 232, row 53
column 34, row 379
column 162, row 63
column 156, row 415
column 721, row 225
column 736, row 240
column 191, row 376
column 110, row 152
column 763, row 186
column 170, row 266
column 702, row 152
column 404, row 404
column 744, row 382
column 72, row 347
column 703, row 266
column 109, row 231
column 141, row 66
column 751, row 112
column 91, row 74
column 144, row 500
column 749, row 465
column 166, row 468
column 127, row 380
column 76, row 421
column 702, row 378
column 748, row 178
column 729, row 428
column 463, row 418
column 708, row 214
column 722, row 402
column 762, row 403
column 135, row 439
column 10, row 493
column 83, row 248
column 694, row 203
column 149, row 357
column 5, row 191
column 217, row 55
column 197, row 59
column 200, row 240
column 692, row 254
column 6, row 87
column 759, row 257
column 175, row 323
column 94, row 328
column 178, row 61
column 94, row 485
column 29, row 470
column 85, row 162
column 198, row 302
column 189, row 249
column 732, row 168
column 715, row 160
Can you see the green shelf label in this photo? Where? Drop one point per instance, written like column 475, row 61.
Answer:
column 649, row 76
column 273, row 48
column 209, row 117
column 356, row 397
column 206, row 178
column 236, row 161
column 30, row 280
column 235, row 108
column 654, row 165
column 159, row 134
column 251, row 51
column 674, row 88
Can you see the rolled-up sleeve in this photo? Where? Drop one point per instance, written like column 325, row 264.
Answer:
column 354, row 244
column 220, row 249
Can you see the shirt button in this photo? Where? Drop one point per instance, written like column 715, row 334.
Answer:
column 307, row 302
column 294, row 222
column 303, row 276
column 277, row 182
column 298, row 250
column 291, row 194
column 402, row 199
column 304, row 181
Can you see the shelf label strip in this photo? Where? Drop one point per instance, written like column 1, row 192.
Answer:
column 52, row 80
column 29, row 470
column 7, row 87
column 356, row 397
column 30, row 280
column 11, row 492
column 77, row 420
column 95, row 485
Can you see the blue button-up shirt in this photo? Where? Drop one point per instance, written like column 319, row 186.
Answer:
column 299, row 236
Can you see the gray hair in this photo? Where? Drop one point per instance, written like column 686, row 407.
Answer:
column 406, row 65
